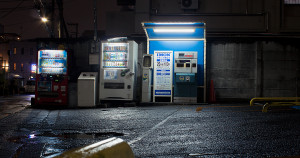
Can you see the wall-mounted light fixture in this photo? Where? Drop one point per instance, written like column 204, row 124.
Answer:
column 174, row 30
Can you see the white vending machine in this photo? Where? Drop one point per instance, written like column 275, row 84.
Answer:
column 118, row 70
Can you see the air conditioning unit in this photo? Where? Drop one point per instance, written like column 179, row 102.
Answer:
column 189, row 4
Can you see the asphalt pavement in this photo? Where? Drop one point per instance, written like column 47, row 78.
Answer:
column 13, row 104
column 211, row 130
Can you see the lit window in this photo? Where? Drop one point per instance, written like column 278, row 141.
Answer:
column 22, row 66
column 291, row 1
column 15, row 66
column 15, row 50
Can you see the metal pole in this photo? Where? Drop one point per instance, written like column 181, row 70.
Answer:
column 95, row 20
column 52, row 19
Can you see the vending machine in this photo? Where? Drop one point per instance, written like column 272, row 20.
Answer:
column 52, row 78
column 118, row 70
column 185, row 69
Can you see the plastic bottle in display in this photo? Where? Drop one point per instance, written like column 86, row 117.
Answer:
column 121, row 56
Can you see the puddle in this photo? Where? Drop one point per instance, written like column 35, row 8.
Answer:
column 200, row 154
column 55, row 143
column 21, row 139
column 81, row 135
column 17, row 139
column 52, row 152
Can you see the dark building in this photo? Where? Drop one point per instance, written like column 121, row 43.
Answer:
column 1, row 29
column 22, row 56
column 252, row 45
column 5, row 48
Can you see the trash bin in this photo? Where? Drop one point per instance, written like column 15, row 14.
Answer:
column 87, row 89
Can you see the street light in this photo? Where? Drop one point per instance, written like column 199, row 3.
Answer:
column 44, row 19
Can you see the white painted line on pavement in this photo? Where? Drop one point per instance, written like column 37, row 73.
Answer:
column 152, row 129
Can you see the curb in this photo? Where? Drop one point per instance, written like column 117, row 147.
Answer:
column 109, row 148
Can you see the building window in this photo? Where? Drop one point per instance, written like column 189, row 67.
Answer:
column 291, row 1
column 15, row 50
column 22, row 66
column 15, row 66
column 22, row 51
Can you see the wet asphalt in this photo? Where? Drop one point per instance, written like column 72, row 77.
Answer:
column 203, row 130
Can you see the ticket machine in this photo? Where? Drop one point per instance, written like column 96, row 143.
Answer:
column 179, row 60
column 185, row 71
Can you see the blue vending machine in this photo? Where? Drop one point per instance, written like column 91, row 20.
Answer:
column 179, row 62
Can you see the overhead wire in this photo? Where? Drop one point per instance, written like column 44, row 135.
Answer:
column 12, row 10
column 24, row 22
column 20, row 8
column 12, row 0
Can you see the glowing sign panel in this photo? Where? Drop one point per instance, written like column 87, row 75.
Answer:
column 33, row 68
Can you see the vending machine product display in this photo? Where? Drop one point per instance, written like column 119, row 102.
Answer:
column 52, row 78
column 118, row 70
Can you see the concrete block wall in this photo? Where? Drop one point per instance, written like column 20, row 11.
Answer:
column 280, row 65
column 231, row 66
column 244, row 70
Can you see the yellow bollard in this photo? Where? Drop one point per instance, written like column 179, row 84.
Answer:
column 109, row 148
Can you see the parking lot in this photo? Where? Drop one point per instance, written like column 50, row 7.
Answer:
column 207, row 130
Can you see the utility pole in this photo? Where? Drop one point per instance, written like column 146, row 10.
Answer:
column 76, row 29
column 52, row 18
column 62, row 25
column 95, row 20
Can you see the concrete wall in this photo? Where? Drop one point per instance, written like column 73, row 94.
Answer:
column 280, row 69
column 231, row 66
column 120, row 24
column 242, row 70
column 223, row 16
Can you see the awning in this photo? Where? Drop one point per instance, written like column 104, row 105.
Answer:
column 174, row 30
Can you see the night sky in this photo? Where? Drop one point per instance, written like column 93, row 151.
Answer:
column 20, row 16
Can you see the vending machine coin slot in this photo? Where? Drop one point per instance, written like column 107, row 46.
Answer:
column 187, row 78
column 180, row 65
column 108, row 85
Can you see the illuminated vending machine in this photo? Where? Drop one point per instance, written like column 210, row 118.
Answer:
column 185, row 69
column 52, row 78
column 118, row 70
